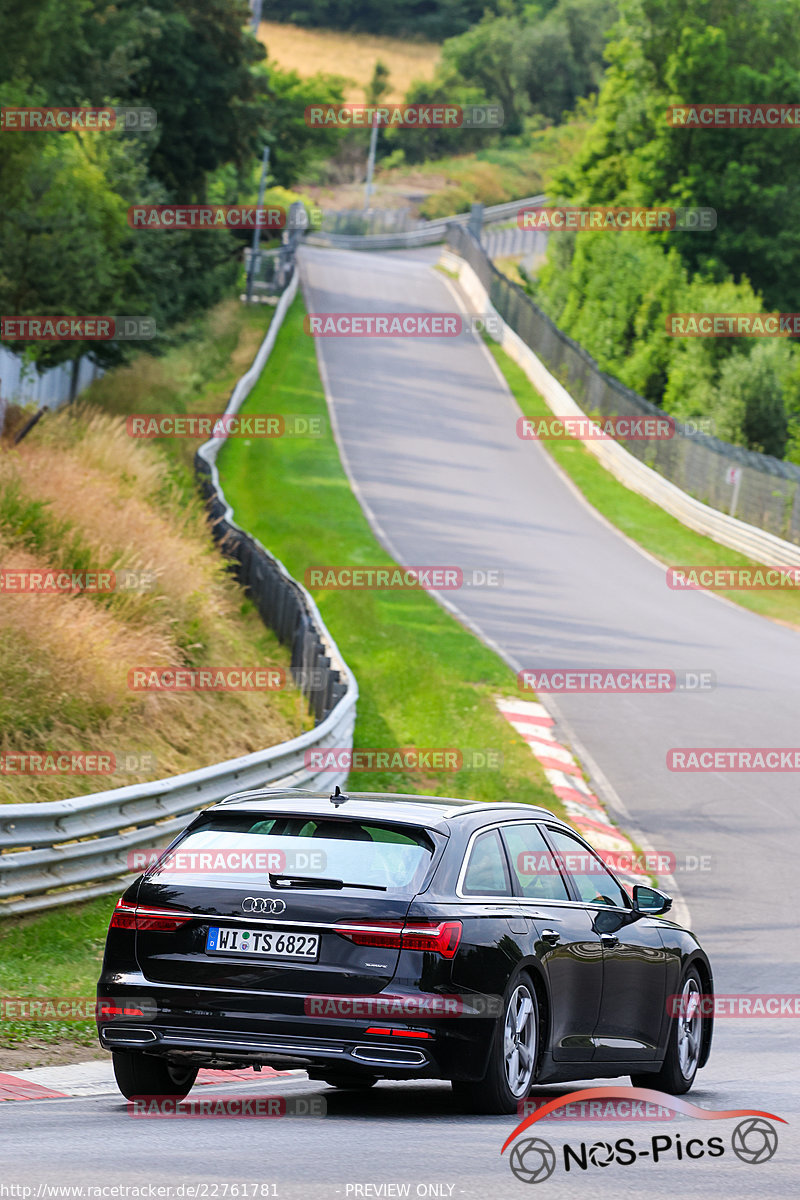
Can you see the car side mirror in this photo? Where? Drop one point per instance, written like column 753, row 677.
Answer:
column 649, row 902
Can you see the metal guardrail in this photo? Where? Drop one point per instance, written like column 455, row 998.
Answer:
column 428, row 233
column 769, row 491
column 514, row 243
column 63, row 851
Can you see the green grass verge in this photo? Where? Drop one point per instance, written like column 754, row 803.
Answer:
column 55, row 954
column 644, row 522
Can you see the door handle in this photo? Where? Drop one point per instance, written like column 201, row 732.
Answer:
column 551, row 935
column 609, row 939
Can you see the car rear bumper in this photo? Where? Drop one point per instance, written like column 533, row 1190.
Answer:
column 218, row 1028
column 229, row 1047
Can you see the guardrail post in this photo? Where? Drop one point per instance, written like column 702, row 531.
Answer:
column 475, row 224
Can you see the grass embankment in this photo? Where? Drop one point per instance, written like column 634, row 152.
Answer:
column 644, row 522
column 521, row 166
column 79, row 493
column 51, row 955
column 514, row 168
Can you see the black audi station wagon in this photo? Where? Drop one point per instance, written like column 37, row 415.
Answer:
column 374, row 936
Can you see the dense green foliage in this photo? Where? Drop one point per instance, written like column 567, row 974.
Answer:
column 65, row 244
column 535, row 63
column 66, row 248
column 434, row 19
column 612, row 292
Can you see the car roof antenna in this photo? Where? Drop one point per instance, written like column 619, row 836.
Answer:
column 338, row 797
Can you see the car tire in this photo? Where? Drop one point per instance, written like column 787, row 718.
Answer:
column 353, row 1082
column 142, row 1076
column 684, row 1040
column 512, row 1058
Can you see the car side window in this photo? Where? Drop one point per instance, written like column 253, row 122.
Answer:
column 486, row 873
column 533, row 862
column 591, row 877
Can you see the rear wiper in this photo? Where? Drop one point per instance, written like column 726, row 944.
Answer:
column 316, row 881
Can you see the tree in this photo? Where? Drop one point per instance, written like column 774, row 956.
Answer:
column 434, row 19
column 751, row 398
column 681, row 52
column 65, row 246
column 378, row 85
column 294, row 144
column 533, row 63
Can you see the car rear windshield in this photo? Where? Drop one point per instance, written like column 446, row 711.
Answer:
column 240, row 849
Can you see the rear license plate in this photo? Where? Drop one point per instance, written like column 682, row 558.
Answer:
column 269, row 943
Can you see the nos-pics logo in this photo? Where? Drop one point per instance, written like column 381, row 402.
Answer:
column 754, row 1140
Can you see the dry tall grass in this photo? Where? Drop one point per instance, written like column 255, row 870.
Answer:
column 78, row 493
column 349, row 55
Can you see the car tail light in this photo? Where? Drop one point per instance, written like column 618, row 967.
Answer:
column 161, row 920
column 440, row 937
column 153, row 920
column 123, row 916
column 412, row 1033
column 377, row 933
column 106, row 1011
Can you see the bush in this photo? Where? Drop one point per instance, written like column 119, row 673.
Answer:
column 446, row 203
column 613, row 294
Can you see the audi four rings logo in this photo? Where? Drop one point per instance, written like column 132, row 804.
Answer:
column 263, row 905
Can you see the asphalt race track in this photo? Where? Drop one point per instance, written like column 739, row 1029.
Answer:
column 427, row 430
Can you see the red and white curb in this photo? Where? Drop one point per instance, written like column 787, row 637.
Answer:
column 533, row 723
column 97, row 1079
